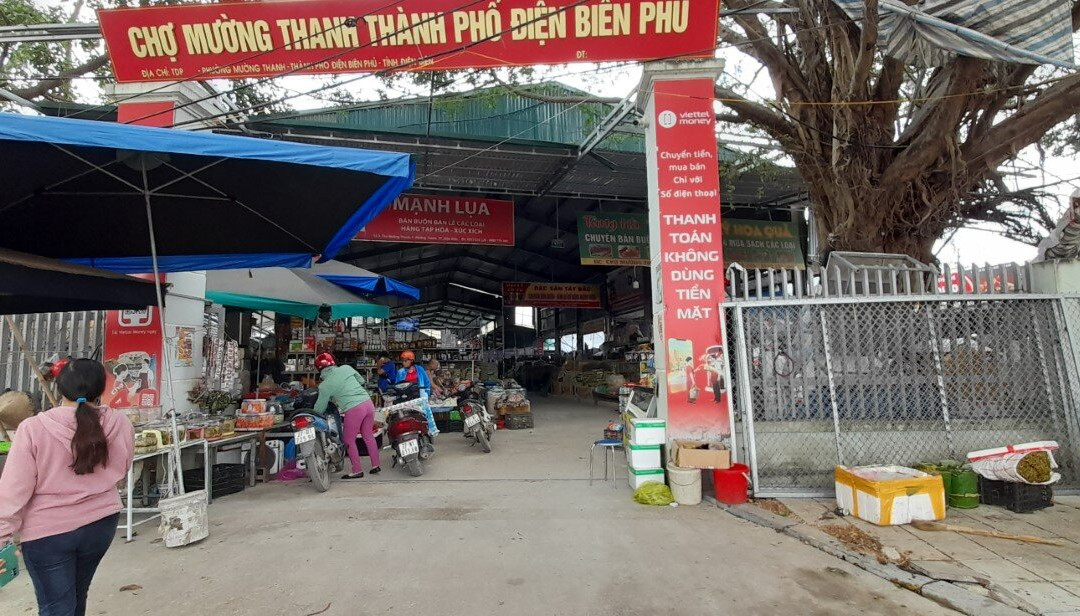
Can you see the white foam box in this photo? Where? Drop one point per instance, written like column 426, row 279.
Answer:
column 889, row 495
column 648, row 432
column 643, row 457
column 639, row 477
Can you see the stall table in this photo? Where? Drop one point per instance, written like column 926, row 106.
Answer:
column 129, row 523
column 213, row 447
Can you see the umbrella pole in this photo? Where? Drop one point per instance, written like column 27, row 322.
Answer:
column 175, row 472
column 17, row 333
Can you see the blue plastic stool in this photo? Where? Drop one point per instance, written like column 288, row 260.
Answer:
column 609, row 445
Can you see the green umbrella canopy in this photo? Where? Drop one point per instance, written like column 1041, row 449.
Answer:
column 287, row 291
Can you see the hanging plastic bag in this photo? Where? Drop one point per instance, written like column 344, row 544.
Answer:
column 1030, row 463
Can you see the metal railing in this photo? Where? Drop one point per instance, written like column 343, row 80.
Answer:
column 900, row 380
column 47, row 335
column 838, row 279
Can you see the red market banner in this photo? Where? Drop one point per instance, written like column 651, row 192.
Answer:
column 262, row 39
column 691, row 256
column 437, row 219
column 551, row 295
column 132, row 358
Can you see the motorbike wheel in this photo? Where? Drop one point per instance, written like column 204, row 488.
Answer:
column 414, row 467
column 481, row 437
column 318, row 469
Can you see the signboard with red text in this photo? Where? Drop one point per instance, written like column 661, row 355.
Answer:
column 262, row 39
column 691, row 260
column 441, row 219
column 551, row 295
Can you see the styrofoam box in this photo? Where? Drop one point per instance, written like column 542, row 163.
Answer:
column 889, row 495
column 643, row 457
column 648, row 431
column 641, row 476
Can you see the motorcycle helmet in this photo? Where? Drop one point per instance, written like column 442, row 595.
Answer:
column 408, row 356
column 324, row 360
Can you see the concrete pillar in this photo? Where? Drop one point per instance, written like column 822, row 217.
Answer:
column 686, row 246
column 164, row 105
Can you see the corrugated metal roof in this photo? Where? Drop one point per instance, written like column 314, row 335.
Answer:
column 492, row 114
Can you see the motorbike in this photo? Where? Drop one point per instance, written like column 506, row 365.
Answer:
column 407, row 428
column 478, row 422
column 318, row 439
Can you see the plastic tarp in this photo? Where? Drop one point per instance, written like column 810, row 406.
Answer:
column 359, row 280
column 931, row 32
column 287, row 291
column 79, row 192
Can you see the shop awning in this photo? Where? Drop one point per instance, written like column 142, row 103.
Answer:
column 32, row 284
column 83, row 191
column 359, row 280
column 287, row 291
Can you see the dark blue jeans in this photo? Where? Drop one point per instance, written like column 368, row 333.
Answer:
column 62, row 566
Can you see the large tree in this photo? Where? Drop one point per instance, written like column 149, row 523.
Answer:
column 892, row 156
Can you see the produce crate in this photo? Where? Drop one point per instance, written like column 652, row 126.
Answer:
column 1016, row 497
column 226, row 479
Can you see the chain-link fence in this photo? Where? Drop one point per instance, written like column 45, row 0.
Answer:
column 893, row 380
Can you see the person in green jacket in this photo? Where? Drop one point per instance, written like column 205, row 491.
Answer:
column 345, row 387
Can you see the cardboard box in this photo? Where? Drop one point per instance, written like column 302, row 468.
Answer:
column 701, row 454
column 515, row 410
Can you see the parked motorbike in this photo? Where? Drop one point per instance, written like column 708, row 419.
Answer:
column 478, row 422
column 318, row 439
column 406, row 425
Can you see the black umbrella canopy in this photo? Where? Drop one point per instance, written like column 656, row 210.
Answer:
column 31, row 284
column 78, row 190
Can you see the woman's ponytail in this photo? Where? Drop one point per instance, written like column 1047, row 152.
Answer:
column 83, row 380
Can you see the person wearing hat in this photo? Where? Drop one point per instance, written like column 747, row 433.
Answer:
column 345, row 387
column 412, row 372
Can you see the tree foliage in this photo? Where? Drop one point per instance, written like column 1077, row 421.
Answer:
column 892, row 156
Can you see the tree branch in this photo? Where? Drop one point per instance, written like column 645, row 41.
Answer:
column 43, row 87
column 860, row 77
column 760, row 115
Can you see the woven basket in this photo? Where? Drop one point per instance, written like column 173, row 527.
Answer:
column 15, row 407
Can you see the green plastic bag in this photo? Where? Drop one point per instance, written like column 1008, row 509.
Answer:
column 654, row 493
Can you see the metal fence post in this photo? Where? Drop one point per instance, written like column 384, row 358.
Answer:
column 746, row 399
column 832, row 387
column 934, row 346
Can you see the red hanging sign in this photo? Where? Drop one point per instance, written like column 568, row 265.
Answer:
column 439, row 219
column 262, row 39
column 691, row 259
column 132, row 358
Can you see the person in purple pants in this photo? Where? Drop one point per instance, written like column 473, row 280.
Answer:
column 345, row 387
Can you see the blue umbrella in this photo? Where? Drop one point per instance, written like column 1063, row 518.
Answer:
column 359, row 280
column 114, row 195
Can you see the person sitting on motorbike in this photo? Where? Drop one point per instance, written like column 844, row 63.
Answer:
column 345, row 387
column 387, row 372
column 411, row 372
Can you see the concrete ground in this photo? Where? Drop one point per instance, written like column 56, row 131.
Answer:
column 519, row 531
column 1038, row 579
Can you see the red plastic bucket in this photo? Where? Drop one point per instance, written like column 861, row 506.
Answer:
column 730, row 484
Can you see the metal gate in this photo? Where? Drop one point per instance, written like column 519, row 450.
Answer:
column 899, row 380
column 79, row 334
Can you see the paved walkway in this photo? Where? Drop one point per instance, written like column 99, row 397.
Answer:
column 1038, row 579
column 517, row 532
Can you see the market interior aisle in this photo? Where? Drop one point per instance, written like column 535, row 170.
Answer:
column 526, row 534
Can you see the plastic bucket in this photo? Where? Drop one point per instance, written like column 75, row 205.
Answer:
column 730, row 484
column 963, row 490
column 183, row 519
column 685, row 484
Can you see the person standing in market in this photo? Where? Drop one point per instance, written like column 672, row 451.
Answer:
column 345, row 387
column 58, row 491
column 411, row 372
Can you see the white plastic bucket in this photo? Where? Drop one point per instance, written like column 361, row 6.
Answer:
column 183, row 519
column 685, row 484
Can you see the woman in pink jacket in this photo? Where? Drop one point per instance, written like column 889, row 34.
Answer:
column 58, row 491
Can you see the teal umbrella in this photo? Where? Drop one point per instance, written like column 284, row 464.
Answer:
column 287, row 291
